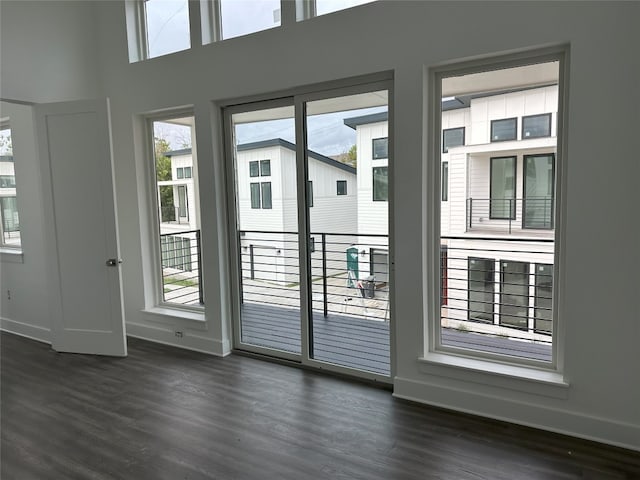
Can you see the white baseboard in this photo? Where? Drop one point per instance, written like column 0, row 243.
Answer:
column 189, row 341
column 33, row 332
column 579, row 425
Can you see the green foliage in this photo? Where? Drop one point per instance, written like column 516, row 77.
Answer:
column 350, row 157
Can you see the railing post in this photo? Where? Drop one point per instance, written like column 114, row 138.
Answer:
column 470, row 209
column 253, row 275
column 199, row 252
column 324, row 273
column 511, row 212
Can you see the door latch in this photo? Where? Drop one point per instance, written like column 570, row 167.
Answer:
column 114, row 262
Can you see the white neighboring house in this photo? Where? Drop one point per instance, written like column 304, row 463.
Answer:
column 9, row 220
column 267, row 209
column 498, row 182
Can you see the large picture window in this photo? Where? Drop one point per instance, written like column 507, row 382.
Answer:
column 498, row 277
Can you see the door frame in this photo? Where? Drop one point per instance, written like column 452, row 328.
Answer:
column 298, row 99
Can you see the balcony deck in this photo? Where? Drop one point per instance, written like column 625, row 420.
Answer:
column 356, row 342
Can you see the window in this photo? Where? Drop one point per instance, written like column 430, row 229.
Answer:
column 514, row 294
column 255, row 195
column 380, row 148
column 502, row 202
column 498, row 276
column 310, row 190
column 539, row 178
column 535, row 126
column 328, row 6
column 254, row 169
column 177, row 231
column 266, row 194
column 9, row 218
column 543, row 296
column 452, row 137
column 265, row 168
column 502, row 130
column 166, row 26
column 380, row 184
column 341, row 187
column 445, row 181
column 481, row 289
column 235, row 15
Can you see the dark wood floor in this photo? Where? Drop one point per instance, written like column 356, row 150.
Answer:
column 165, row 413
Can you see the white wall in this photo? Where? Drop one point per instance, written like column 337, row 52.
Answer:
column 373, row 216
column 600, row 255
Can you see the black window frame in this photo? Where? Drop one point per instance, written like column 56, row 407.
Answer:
column 262, row 168
column 528, row 117
column 256, row 196
column 188, row 173
column 254, row 168
column 489, row 275
column 180, row 173
column 445, row 147
column 267, row 200
column 373, row 172
column 512, row 215
column 310, row 193
column 444, row 184
column 538, row 286
column 386, row 148
column 501, row 120
column 342, row 183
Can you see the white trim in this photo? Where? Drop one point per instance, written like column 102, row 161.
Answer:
column 177, row 312
column 189, row 340
column 34, row 332
column 493, row 405
column 11, row 254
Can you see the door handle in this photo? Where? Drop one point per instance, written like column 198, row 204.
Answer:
column 114, row 262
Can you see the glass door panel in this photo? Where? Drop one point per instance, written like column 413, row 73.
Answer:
column 347, row 206
column 538, row 191
column 514, row 294
column 266, row 207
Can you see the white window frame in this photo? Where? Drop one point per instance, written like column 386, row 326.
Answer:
column 434, row 352
column 10, row 247
column 153, row 241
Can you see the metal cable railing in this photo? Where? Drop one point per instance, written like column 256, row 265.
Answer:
column 181, row 268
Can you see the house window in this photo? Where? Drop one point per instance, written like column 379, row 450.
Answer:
column 445, row 181
column 341, row 186
column 266, row 194
column 166, row 27
column 543, row 298
column 265, row 168
column 380, row 184
column 502, row 202
column 254, row 169
column 534, row 126
column 503, row 130
column 310, row 192
column 481, row 285
column 452, row 137
column 255, row 195
column 538, row 200
column 380, row 148
column 514, row 294
column 9, row 218
column 176, row 240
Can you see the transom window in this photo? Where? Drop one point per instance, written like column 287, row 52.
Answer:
column 341, row 186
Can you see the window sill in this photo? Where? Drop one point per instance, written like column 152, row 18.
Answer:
column 177, row 313
column 514, row 377
column 11, row 255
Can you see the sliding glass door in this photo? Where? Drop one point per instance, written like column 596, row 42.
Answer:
column 310, row 235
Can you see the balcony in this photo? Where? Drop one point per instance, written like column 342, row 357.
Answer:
column 499, row 299
column 527, row 217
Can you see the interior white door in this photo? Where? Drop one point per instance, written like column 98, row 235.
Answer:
column 84, row 263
